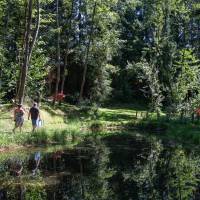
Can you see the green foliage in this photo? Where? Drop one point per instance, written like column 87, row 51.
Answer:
column 60, row 137
column 96, row 127
column 35, row 193
column 185, row 85
column 37, row 74
column 180, row 176
column 38, row 137
column 149, row 74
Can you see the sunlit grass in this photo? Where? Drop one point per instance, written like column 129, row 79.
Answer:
column 68, row 123
column 58, row 127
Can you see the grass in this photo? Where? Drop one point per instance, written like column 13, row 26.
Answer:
column 186, row 133
column 57, row 124
column 67, row 123
column 61, row 124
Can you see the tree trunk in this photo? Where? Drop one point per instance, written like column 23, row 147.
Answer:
column 65, row 72
column 87, row 54
column 22, row 53
column 24, row 68
column 67, row 51
column 58, row 52
column 28, row 48
column 36, row 30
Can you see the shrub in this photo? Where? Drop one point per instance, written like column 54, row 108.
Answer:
column 38, row 137
column 60, row 137
column 85, row 106
column 96, row 127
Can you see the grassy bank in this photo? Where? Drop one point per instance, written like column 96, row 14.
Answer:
column 174, row 130
column 64, row 123
column 67, row 123
column 56, row 127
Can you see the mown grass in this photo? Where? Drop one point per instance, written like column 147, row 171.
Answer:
column 61, row 124
column 67, row 123
column 57, row 127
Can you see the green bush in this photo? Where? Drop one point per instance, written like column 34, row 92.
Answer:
column 60, row 137
column 96, row 127
column 38, row 137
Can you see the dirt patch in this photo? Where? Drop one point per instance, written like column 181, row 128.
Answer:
column 13, row 148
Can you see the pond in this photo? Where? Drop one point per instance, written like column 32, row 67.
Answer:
column 114, row 167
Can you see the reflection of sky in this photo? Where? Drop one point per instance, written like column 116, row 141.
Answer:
column 139, row 12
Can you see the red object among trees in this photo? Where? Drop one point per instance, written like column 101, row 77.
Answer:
column 197, row 111
column 60, row 96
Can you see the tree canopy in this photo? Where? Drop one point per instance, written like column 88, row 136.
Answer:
column 101, row 51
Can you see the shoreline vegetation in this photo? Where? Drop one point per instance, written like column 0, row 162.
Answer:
column 68, row 124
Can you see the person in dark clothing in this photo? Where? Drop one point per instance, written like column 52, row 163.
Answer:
column 3, row 194
column 35, row 115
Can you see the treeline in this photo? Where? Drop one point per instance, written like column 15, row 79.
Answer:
column 101, row 50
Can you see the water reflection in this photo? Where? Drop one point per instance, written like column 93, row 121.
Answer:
column 116, row 167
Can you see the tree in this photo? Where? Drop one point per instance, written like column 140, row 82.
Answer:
column 28, row 46
column 148, row 72
column 87, row 52
column 58, row 51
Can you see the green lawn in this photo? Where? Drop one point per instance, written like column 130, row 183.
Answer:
column 66, row 122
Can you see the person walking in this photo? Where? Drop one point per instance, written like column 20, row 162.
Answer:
column 19, row 117
column 35, row 115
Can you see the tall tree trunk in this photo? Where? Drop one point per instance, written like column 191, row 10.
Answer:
column 67, row 50
column 24, row 68
column 36, row 30
column 22, row 53
column 28, row 46
column 65, row 71
column 58, row 52
column 87, row 54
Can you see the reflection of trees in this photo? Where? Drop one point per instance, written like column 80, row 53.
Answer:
column 176, row 175
column 134, row 159
column 117, row 167
column 35, row 193
column 96, row 185
column 90, row 173
column 23, row 189
column 144, row 175
column 83, row 172
column 146, row 170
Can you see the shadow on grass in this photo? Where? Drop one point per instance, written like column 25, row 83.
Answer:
column 115, row 117
column 183, row 132
column 67, row 110
column 136, row 107
column 114, row 113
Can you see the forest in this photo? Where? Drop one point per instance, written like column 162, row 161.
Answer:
column 101, row 51
column 115, row 85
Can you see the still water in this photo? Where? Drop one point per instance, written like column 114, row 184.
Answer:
column 115, row 167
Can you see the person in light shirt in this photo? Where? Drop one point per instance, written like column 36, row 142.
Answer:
column 19, row 117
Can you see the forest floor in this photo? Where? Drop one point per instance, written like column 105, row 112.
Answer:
column 67, row 122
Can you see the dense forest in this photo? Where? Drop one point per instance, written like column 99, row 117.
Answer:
column 101, row 51
column 100, row 99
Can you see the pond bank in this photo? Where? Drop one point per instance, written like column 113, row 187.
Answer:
column 67, row 124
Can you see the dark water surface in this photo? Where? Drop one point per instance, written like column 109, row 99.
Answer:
column 115, row 167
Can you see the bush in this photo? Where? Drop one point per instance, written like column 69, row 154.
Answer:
column 60, row 137
column 38, row 137
column 96, row 127
column 85, row 106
